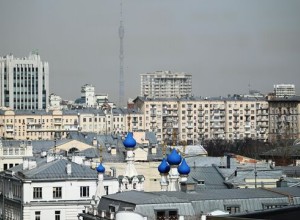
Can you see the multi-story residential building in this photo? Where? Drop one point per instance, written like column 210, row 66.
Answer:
column 174, row 120
column 24, row 82
column 192, row 119
column 284, row 90
column 49, row 188
column 51, row 124
column 284, row 117
column 165, row 84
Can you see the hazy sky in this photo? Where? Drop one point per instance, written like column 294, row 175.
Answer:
column 226, row 45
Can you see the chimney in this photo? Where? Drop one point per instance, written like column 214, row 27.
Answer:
column 228, row 161
column 50, row 157
column 25, row 163
column 32, row 164
column 95, row 141
column 69, row 169
column 113, row 150
column 153, row 149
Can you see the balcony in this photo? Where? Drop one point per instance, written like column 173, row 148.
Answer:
column 189, row 132
column 9, row 129
column 247, row 132
column 57, row 120
column 235, row 114
column 152, row 121
column 190, row 126
column 262, row 131
column 264, row 126
column 247, row 114
column 200, row 114
column 247, row 125
column 236, row 126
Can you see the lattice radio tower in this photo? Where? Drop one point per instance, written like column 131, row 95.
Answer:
column 121, row 57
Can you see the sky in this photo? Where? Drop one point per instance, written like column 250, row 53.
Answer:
column 228, row 46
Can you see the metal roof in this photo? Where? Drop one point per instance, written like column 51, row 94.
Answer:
column 55, row 170
column 210, row 175
column 197, row 203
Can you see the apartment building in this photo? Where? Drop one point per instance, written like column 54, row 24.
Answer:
column 192, row 119
column 174, row 120
column 284, row 90
column 165, row 84
column 24, row 82
column 55, row 124
column 284, row 117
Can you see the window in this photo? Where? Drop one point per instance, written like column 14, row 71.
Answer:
column 84, row 191
column 37, row 215
column 273, row 206
column 57, row 215
column 166, row 214
column 56, row 192
column 37, row 192
column 232, row 209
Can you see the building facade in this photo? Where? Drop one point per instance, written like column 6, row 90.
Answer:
column 165, row 84
column 24, row 82
column 173, row 120
column 195, row 119
column 51, row 188
column 284, row 90
column 284, row 117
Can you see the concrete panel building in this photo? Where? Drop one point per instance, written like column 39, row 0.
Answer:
column 165, row 84
column 24, row 82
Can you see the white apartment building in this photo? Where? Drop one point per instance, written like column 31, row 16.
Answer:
column 24, row 82
column 49, row 188
column 284, row 90
column 165, row 84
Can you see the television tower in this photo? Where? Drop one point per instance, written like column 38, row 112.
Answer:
column 121, row 57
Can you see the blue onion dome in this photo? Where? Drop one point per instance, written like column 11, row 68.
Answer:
column 164, row 167
column 183, row 168
column 129, row 141
column 100, row 168
column 174, row 158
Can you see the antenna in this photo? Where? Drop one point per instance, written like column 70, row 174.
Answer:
column 100, row 152
column 121, row 57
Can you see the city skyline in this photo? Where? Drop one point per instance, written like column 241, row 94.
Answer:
column 220, row 43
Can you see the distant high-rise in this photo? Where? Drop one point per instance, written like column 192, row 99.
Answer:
column 24, row 82
column 284, row 90
column 165, row 84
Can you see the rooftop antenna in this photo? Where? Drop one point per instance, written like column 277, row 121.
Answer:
column 121, row 57
column 100, row 152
